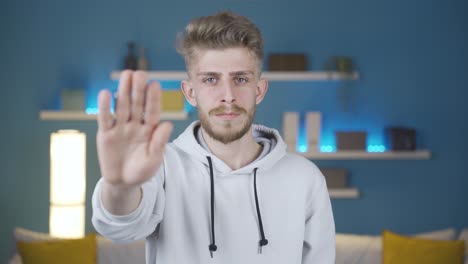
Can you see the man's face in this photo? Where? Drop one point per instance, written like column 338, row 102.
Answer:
column 225, row 87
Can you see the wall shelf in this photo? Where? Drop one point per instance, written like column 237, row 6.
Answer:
column 344, row 193
column 388, row 155
column 79, row 115
column 272, row 76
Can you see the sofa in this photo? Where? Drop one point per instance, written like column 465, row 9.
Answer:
column 350, row 248
column 364, row 249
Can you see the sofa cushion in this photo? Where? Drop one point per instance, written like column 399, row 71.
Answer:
column 71, row 251
column 108, row 252
column 464, row 236
column 356, row 249
column 398, row 249
column 359, row 249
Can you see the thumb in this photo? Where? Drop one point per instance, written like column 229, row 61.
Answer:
column 160, row 137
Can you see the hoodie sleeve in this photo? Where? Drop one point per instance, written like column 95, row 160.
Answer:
column 319, row 236
column 138, row 224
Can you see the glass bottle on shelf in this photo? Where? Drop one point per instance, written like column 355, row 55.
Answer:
column 130, row 59
column 142, row 60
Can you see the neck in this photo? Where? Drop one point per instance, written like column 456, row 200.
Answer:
column 235, row 154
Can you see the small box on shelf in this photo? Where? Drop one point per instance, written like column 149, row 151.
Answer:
column 287, row 62
column 72, row 100
column 335, row 178
column 400, row 138
column 351, row 140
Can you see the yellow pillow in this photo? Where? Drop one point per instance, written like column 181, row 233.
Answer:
column 399, row 249
column 69, row 251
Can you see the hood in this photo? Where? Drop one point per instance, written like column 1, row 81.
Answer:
column 189, row 144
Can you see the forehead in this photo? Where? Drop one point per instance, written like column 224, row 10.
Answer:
column 223, row 60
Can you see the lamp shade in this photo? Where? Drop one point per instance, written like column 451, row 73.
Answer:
column 67, row 183
column 67, row 168
column 67, row 221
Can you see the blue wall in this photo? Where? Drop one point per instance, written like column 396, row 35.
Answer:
column 412, row 57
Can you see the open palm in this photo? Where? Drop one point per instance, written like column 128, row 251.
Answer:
column 131, row 144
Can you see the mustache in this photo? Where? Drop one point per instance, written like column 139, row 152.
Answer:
column 232, row 109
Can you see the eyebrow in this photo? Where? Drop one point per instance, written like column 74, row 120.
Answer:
column 236, row 73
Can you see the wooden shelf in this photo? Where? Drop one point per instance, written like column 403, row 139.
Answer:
column 309, row 76
column 340, row 155
column 272, row 76
column 345, row 193
column 78, row 115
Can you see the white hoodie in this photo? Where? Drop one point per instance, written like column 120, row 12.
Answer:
column 175, row 214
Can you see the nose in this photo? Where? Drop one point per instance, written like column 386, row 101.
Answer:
column 228, row 93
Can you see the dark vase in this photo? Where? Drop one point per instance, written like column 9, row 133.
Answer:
column 131, row 60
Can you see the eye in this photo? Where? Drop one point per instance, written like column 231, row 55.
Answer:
column 210, row 80
column 241, row 80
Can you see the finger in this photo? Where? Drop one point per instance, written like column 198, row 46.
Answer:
column 122, row 109
column 104, row 116
column 159, row 138
column 153, row 104
column 139, row 81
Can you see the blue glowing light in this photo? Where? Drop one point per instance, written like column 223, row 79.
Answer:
column 327, row 148
column 91, row 110
column 302, row 148
column 376, row 148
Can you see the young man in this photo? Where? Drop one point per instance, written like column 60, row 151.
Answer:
column 225, row 191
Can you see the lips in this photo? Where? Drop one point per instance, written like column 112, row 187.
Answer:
column 228, row 116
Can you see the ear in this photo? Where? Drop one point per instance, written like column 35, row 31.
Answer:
column 188, row 92
column 262, row 87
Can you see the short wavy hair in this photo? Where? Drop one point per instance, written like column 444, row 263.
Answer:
column 220, row 31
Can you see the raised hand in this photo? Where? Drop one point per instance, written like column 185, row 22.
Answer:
column 131, row 144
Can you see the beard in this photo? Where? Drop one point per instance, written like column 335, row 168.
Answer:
column 229, row 133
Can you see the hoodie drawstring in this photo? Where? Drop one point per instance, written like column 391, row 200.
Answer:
column 263, row 241
column 212, row 247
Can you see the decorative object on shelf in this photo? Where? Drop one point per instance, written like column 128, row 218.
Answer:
column 67, row 184
column 72, row 99
column 142, row 60
column 344, row 64
column 290, row 130
column 313, row 127
column 130, row 62
column 172, row 101
column 400, row 138
column 335, row 178
column 351, row 140
column 340, row 64
column 287, row 62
